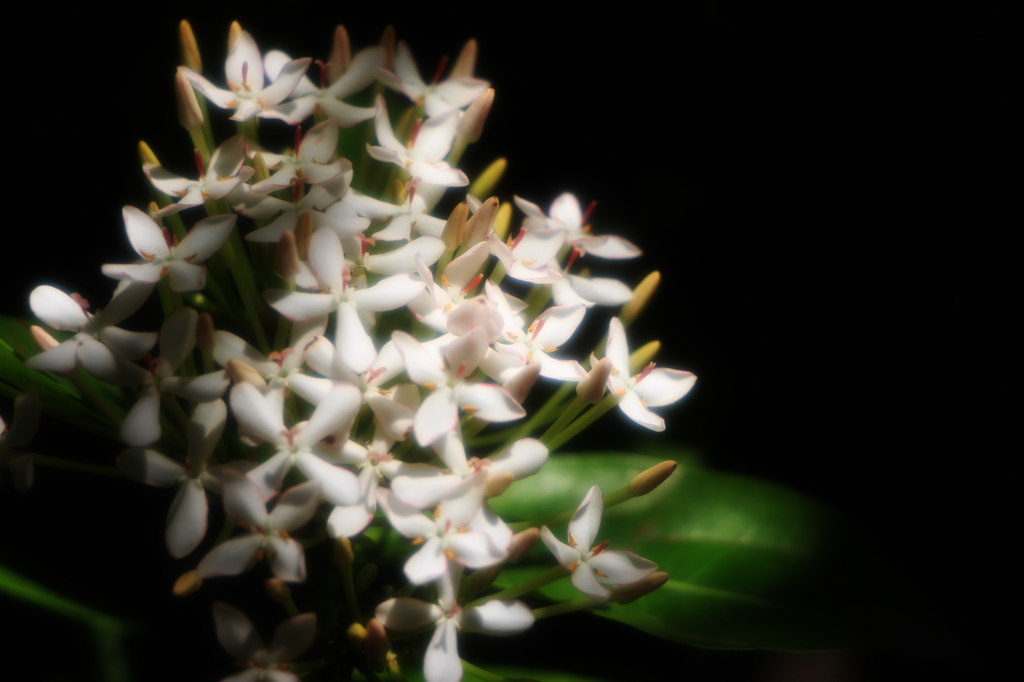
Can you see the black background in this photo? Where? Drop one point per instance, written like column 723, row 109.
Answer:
column 831, row 197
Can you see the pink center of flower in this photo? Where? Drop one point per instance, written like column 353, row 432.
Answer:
column 279, row 356
column 374, row 373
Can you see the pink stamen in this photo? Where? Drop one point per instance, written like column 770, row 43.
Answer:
column 440, row 69
column 415, row 132
column 199, row 164
column 590, row 209
column 323, row 73
column 473, row 283
column 279, row 356
column 600, row 548
column 289, row 436
column 374, row 373
column 82, row 303
column 572, row 257
column 536, row 330
column 519, row 238
column 167, row 237
column 367, row 243
column 647, row 370
column 461, row 370
column 245, row 74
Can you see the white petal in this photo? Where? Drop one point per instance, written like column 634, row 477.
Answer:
column 428, row 563
column 299, row 306
column 56, row 309
column 616, row 349
column 344, row 522
column 404, row 518
column 435, row 137
column 128, row 297
column 464, row 354
column 565, row 554
column 560, row 370
column 474, row 549
column 559, row 324
column 461, row 503
column 388, row 294
column 423, row 366
column 256, row 413
column 621, row 568
column 523, row 458
column 205, row 238
column 610, row 246
column 232, row 557
column 498, row 617
column 664, row 386
column 630, row 404
column 244, row 52
column 132, row 345
column 230, row 347
column 327, row 259
column 296, row 506
column 601, row 290
column 236, row 632
column 585, row 581
column 355, row 347
column 201, row 389
column 178, row 336
column 565, row 210
column 149, row 466
column 584, row 523
column 289, row 78
column 441, row 664
column 405, row 614
column 287, row 559
column 292, row 637
column 204, row 431
column 425, row 491
column 438, row 414
column 339, row 486
column 184, row 276
column 145, row 235
column 403, row 259
column 62, row 358
column 491, row 402
column 335, row 411
column 142, row 424
column 244, row 500
column 186, row 521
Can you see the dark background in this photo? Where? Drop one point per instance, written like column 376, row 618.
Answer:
column 832, row 198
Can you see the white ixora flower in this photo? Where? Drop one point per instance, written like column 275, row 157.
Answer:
column 591, row 567
column 456, row 92
column 565, row 214
column 651, row 388
column 422, row 158
column 223, row 174
column 18, row 434
column 311, row 163
column 263, row 663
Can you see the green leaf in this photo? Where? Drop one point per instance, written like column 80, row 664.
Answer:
column 751, row 564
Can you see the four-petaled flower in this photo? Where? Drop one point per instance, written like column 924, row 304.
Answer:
column 264, row 663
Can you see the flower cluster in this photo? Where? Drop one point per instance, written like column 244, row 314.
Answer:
column 362, row 342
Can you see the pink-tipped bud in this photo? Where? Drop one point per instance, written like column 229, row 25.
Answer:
column 387, row 41
column 186, row 584
column 367, row 576
column 591, row 389
column 624, row 594
column 190, row 116
column 241, row 372
column 478, row 227
column 341, row 55
column 641, row 297
column 471, row 125
column 146, row 154
column 234, row 31
column 286, row 257
column 303, row 233
column 453, row 229
column 377, row 644
column 519, row 384
column 496, row 485
column 466, row 63
column 521, row 543
column 648, row 480
column 206, row 336
column 278, row 590
column 343, row 554
column 42, row 339
column 189, row 47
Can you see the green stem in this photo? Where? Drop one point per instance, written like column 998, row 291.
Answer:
column 580, row 604
column 481, row 673
column 473, row 427
column 207, row 130
column 570, row 413
column 393, row 669
column 536, row 300
column 498, row 273
column 98, row 402
column 79, row 467
column 199, row 142
column 530, row 585
column 249, row 302
column 591, row 415
column 348, row 586
column 545, row 415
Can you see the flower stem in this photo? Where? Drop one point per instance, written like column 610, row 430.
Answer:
column 79, row 467
column 530, row 585
column 570, row 413
column 98, row 402
column 348, row 586
column 199, row 142
column 580, row 604
column 545, row 415
column 481, row 673
column 246, row 289
column 591, row 415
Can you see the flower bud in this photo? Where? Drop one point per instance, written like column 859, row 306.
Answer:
column 151, row 209
column 521, row 543
column 519, row 385
column 486, row 181
column 303, row 233
column 189, row 47
column 479, row 225
column 452, row 233
column 399, row 189
column 624, row 594
column 286, row 257
column 146, row 154
column 234, row 31
column 471, row 125
column 479, row 580
column 241, row 372
column 343, row 554
column 190, row 116
column 387, row 41
column 341, row 55
column 356, row 634
column 377, row 644
column 259, row 166
column 496, row 485
column 278, row 590
column 639, row 358
column 206, row 336
column 366, row 577
column 42, row 338
column 186, row 584
column 591, row 389
column 648, row 480
column 466, row 63
column 641, row 295
column 502, row 220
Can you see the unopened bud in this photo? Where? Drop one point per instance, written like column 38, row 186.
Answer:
column 641, row 295
column 466, row 63
column 398, row 189
column 356, row 634
column 624, row 594
column 479, row 580
column 286, row 257
column 639, row 358
column 648, row 480
column 366, row 577
column 206, row 335
column 471, row 125
column 190, row 116
column 496, row 485
column 186, row 584
column 42, row 339
column 591, row 389
column 341, row 55
column 343, row 554
column 377, row 644
column 303, row 233
column 146, row 154
column 452, row 233
column 189, row 47
column 479, row 225
column 152, row 208
column 488, row 180
column 394, row 669
column 502, row 220
column 522, row 542
column 519, row 384
column 259, row 167
column 234, row 31
column 243, row 373
column 278, row 590
column 387, row 41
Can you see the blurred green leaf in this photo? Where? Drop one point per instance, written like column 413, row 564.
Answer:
column 751, row 564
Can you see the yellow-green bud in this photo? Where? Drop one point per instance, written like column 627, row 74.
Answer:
column 479, row 225
column 343, row 554
column 488, row 180
column 189, row 47
column 356, row 634
column 648, row 480
column 190, row 116
column 234, row 31
column 591, row 390
column 278, row 590
column 186, row 584
column 641, row 295
column 146, row 154
column 503, row 220
column 151, row 208
column 42, row 338
column 639, row 358
column 341, row 55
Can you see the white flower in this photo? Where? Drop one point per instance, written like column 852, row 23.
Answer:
column 18, row 434
column 264, row 663
column 565, row 214
column 307, row 99
column 281, row 368
column 454, row 93
column 311, row 163
column 651, row 388
column 187, row 518
column 431, row 142
column 591, row 567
